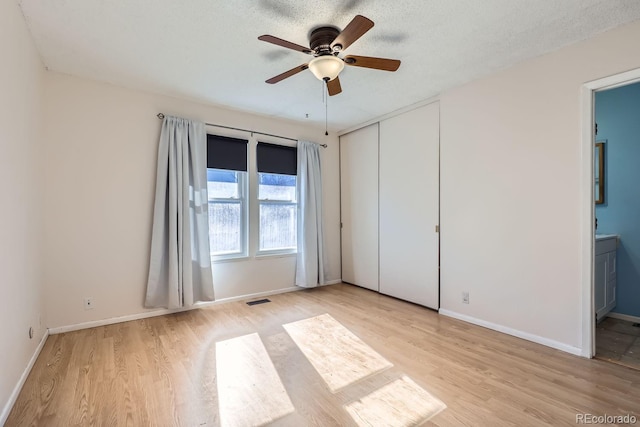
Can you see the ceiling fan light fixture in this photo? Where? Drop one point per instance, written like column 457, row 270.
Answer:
column 326, row 67
column 325, row 43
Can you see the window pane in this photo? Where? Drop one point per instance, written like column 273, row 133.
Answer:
column 277, row 226
column 223, row 184
column 273, row 186
column 224, row 227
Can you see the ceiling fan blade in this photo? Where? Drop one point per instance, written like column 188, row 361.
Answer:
column 333, row 86
column 371, row 62
column 286, row 74
column 352, row 32
column 278, row 41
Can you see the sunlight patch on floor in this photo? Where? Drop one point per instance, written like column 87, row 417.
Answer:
column 339, row 356
column 399, row 403
column 250, row 392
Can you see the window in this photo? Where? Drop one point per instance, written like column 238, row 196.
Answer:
column 278, row 212
column 227, row 209
column 227, row 189
column 278, row 208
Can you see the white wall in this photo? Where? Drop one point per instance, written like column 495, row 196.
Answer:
column 100, row 178
column 510, row 188
column 21, row 301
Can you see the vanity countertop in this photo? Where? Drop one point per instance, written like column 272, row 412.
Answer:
column 605, row 243
column 606, row 236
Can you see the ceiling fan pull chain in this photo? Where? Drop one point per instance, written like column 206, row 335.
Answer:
column 323, row 85
column 326, row 113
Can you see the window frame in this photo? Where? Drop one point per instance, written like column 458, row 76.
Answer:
column 242, row 199
column 283, row 251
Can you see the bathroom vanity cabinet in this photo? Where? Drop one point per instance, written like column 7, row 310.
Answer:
column 605, row 274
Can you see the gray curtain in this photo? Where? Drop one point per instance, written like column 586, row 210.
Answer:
column 180, row 265
column 310, row 257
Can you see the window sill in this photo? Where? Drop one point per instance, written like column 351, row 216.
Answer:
column 230, row 259
column 267, row 255
column 258, row 256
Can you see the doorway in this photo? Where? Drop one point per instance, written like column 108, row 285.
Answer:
column 617, row 273
column 599, row 261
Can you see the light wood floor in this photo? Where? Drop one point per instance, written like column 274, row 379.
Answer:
column 162, row 371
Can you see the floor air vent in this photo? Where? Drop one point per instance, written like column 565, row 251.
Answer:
column 260, row 301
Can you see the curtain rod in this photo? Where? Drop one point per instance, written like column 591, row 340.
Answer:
column 161, row 116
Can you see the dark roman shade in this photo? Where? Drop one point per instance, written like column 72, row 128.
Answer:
column 278, row 159
column 226, row 153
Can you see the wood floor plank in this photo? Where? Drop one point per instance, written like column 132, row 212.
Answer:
column 259, row 401
column 162, row 370
column 399, row 403
column 339, row 356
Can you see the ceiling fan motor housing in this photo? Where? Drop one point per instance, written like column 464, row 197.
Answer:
column 321, row 38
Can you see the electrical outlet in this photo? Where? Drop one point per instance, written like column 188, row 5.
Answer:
column 465, row 297
column 88, row 303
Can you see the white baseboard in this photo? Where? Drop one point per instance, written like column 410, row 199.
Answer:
column 112, row 320
column 162, row 312
column 514, row 332
column 333, row 282
column 16, row 390
column 626, row 317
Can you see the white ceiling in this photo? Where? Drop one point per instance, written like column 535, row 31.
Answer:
column 208, row 49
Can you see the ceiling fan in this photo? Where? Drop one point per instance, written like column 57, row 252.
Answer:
column 326, row 43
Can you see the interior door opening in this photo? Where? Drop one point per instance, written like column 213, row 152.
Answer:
column 617, row 236
column 600, row 259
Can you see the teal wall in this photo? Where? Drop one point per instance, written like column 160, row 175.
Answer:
column 618, row 118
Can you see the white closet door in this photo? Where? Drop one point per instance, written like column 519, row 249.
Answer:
column 359, row 206
column 409, row 206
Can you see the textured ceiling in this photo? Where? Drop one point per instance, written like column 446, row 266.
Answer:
column 208, row 49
